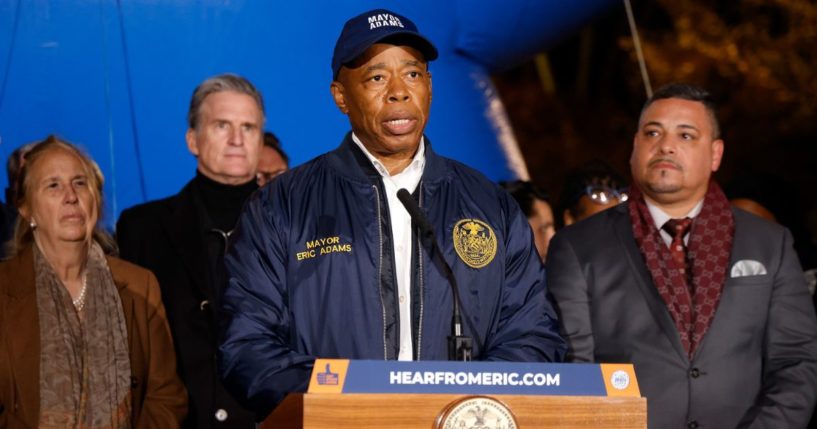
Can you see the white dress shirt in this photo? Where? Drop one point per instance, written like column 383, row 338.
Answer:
column 409, row 178
column 660, row 218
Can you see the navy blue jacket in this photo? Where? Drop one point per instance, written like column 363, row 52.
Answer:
column 310, row 275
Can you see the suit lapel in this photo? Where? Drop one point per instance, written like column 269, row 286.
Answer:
column 181, row 226
column 643, row 279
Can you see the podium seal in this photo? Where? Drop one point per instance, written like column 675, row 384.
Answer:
column 476, row 412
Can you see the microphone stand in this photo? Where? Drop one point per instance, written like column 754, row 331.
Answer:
column 459, row 346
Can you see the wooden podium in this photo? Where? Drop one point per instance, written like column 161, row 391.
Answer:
column 387, row 394
column 411, row 411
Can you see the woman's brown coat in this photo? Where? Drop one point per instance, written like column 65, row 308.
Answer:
column 159, row 397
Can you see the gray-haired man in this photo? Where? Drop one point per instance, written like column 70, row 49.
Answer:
column 182, row 238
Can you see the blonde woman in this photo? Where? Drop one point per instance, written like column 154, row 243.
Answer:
column 84, row 341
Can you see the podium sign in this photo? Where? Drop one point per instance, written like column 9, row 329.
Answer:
column 473, row 378
column 353, row 394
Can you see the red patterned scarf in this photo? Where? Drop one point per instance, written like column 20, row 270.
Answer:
column 708, row 250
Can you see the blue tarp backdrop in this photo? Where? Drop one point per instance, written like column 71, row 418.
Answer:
column 116, row 76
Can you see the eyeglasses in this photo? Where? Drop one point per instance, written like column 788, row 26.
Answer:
column 604, row 194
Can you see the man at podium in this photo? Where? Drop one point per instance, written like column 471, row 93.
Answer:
column 327, row 260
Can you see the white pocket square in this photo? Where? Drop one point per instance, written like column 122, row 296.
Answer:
column 748, row 267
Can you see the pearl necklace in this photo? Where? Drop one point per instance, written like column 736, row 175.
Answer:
column 79, row 303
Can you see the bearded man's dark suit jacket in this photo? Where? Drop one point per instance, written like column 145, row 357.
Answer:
column 168, row 237
column 757, row 363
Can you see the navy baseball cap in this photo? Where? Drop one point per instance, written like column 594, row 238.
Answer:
column 368, row 28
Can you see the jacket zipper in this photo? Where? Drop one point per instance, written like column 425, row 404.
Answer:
column 225, row 236
column 380, row 270
column 421, row 295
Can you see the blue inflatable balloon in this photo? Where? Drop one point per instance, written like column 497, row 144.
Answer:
column 116, row 76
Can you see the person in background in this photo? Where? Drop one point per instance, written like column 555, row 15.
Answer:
column 771, row 198
column 753, row 207
column 762, row 195
column 8, row 213
column 85, row 342
column 272, row 161
column 182, row 238
column 535, row 203
column 590, row 189
column 707, row 301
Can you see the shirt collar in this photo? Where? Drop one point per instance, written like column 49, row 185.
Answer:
column 418, row 162
column 660, row 217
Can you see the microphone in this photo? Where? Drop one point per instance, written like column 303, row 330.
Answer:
column 459, row 346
